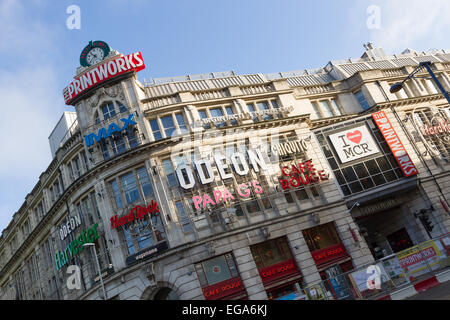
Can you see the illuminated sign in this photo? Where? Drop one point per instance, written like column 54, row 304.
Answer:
column 290, row 147
column 302, row 174
column 105, row 133
column 394, row 143
column 328, row 254
column 224, row 289
column 205, row 171
column 279, row 270
column 354, row 143
column 76, row 246
column 243, row 190
column 136, row 213
column 107, row 70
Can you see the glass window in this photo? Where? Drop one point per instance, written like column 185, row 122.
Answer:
column 108, row 111
column 181, row 123
column 335, row 107
column 326, row 109
column 130, row 188
column 251, row 109
column 183, row 217
column 217, row 112
column 230, row 112
column 132, row 137
column 155, row 129
column 271, row 252
column 122, row 108
column 118, row 144
column 203, row 115
column 168, row 125
column 321, row 237
column 144, row 181
column 170, row 174
column 144, row 239
column 362, row 100
column 264, row 106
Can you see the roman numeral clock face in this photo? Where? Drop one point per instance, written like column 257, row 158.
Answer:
column 93, row 53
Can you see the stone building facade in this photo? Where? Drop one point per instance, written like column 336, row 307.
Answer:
column 224, row 186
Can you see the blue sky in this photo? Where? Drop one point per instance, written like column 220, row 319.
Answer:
column 39, row 54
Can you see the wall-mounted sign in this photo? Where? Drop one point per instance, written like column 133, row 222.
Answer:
column 290, row 147
column 329, row 254
column 354, row 143
column 203, row 167
column 398, row 150
column 223, row 289
column 105, row 273
column 147, row 253
column 76, row 246
column 69, row 226
column 105, row 133
column 247, row 115
column 136, row 213
column 109, row 69
column 302, row 174
column 278, row 270
column 243, row 190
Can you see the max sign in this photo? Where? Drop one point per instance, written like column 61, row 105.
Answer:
column 105, row 71
column 104, row 133
column 353, row 144
column 394, row 143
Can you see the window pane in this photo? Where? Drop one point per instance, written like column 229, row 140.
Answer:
column 326, row 109
column 316, row 110
column 155, row 128
column 335, row 108
column 251, row 108
column 264, row 106
column 181, row 123
column 108, row 111
column 362, row 100
column 144, row 181
column 168, row 125
column 216, row 270
column 122, row 108
column 130, row 188
column 183, row 217
column 168, row 169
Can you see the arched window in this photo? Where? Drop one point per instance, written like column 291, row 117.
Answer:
column 108, row 110
column 122, row 108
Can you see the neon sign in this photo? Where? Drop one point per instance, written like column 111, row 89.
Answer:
column 137, row 212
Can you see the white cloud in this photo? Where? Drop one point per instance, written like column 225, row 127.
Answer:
column 415, row 24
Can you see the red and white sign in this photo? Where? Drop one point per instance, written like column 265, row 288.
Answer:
column 101, row 73
column 278, row 270
column 329, row 254
column 354, row 143
column 394, row 143
column 226, row 288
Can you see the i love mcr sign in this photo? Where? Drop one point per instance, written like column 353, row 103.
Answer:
column 354, row 143
column 102, row 72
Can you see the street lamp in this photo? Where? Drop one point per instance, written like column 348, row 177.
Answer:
column 91, row 244
column 427, row 65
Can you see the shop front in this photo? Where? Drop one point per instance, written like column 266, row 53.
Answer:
column 277, row 268
column 219, row 279
column 331, row 259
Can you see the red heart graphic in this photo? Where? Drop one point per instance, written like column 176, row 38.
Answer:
column 354, row 136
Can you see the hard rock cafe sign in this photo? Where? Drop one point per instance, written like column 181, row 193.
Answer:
column 433, row 130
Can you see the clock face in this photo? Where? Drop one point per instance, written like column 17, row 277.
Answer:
column 94, row 56
column 93, row 53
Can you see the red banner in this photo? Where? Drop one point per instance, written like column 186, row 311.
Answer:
column 278, row 270
column 223, row 289
column 394, row 143
column 101, row 73
column 328, row 254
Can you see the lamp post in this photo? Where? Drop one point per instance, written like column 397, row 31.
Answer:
column 427, row 65
column 90, row 244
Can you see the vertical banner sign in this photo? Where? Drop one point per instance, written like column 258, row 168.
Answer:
column 398, row 150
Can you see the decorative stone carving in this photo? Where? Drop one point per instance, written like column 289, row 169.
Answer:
column 115, row 92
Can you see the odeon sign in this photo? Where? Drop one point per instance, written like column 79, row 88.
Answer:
column 107, row 70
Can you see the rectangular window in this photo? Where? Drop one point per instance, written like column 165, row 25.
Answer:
column 252, row 109
column 144, row 181
column 170, row 173
column 217, row 112
column 262, row 106
column 130, row 188
column 108, row 111
column 116, row 193
column 335, row 107
column 203, row 115
column 271, row 252
column 181, row 123
column 326, row 109
column 183, row 217
column 155, row 129
column 230, row 112
column 316, row 110
column 168, row 125
column 362, row 100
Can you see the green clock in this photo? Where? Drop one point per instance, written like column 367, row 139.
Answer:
column 94, row 53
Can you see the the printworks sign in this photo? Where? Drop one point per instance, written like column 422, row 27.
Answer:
column 398, row 150
column 104, row 133
column 353, row 144
column 107, row 70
